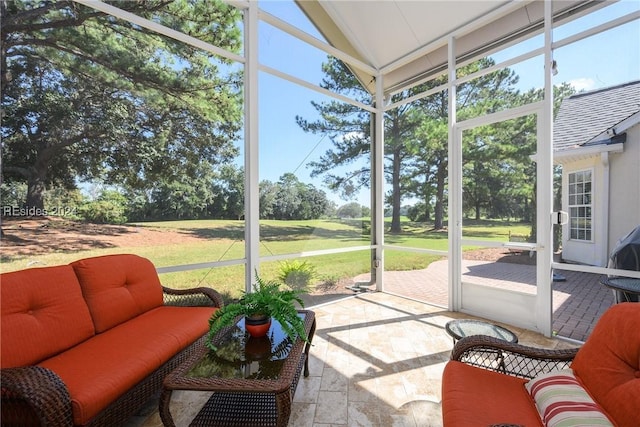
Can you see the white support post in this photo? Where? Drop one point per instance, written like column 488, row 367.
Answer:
column 455, row 188
column 377, row 164
column 604, row 210
column 544, row 194
column 251, row 178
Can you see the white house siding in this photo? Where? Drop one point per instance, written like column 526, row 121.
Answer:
column 623, row 191
column 624, row 212
column 577, row 250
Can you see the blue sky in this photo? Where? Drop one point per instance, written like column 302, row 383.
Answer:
column 599, row 61
column 603, row 60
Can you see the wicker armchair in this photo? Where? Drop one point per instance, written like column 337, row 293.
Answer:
column 508, row 358
column 493, row 382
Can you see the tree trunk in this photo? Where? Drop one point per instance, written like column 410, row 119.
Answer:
column 439, row 208
column 35, row 191
column 427, row 212
column 395, row 208
column 427, row 206
column 531, row 208
column 37, row 177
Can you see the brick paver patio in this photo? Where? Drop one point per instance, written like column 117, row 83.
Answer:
column 578, row 302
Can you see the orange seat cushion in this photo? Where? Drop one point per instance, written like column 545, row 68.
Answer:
column 118, row 288
column 477, row 397
column 608, row 363
column 43, row 313
column 104, row 367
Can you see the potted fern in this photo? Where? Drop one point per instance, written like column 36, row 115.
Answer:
column 267, row 301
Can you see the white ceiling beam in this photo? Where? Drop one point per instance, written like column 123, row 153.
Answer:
column 442, row 41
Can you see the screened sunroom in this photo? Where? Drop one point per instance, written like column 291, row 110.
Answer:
column 351, row 140
column 405, row 162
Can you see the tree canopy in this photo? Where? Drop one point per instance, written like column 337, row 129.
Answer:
column 89, row 96
column 291, row 199
column 415, row 136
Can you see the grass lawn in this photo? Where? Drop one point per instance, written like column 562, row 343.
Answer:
column 173, row 243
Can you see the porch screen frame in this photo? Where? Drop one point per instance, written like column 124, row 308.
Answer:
column 514, row 307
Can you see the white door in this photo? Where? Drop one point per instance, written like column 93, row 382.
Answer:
column 514, row 285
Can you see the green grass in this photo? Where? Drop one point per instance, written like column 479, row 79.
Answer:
column 224, row 240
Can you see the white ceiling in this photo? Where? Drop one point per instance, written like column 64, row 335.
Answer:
column 385, row 31
column 407, row 40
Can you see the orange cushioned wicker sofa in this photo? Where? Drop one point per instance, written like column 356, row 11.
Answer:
column 491, row 382
column 90, row 342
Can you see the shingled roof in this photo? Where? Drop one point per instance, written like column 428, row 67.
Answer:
column 585, row 116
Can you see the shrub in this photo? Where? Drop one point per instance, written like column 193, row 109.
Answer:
column 297, row 274
column 353, row 210
column 109, row 208
column 60, row 201
column 13, row 193
column 416, row 213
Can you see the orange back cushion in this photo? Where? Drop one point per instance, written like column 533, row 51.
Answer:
column 43, row 314
column 118, row 288
column 607, row 364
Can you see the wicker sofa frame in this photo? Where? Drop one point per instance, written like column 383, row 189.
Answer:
column 510, row 358
column 36, row 396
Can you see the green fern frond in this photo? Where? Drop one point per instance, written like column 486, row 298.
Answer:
column 267, row 298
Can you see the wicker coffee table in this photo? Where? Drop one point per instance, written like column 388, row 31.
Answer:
column 253, row 379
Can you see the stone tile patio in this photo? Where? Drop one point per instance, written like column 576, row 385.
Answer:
column 377, row 360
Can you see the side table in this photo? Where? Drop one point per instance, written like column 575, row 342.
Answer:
column 460, row 328
column 626, row 289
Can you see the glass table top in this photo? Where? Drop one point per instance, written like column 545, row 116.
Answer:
column 627, row 284
column 467, row 327
column 241, row 356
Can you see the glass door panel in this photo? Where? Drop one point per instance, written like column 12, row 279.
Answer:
column 498, row 272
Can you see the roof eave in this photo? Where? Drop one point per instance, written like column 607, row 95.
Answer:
column 619, row 128
column 580, row 153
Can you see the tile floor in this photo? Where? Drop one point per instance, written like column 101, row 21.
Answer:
column 377, row 360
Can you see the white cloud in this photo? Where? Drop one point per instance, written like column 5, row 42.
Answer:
column 583, row 83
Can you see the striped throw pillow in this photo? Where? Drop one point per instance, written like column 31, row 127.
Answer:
column 563, row 402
